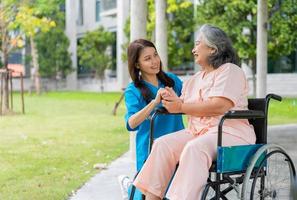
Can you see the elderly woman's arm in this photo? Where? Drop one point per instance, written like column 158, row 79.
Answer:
column 212, row 107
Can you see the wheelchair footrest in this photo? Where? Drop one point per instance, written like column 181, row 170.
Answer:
column 235, row 158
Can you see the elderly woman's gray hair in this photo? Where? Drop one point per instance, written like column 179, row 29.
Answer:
column 217, row 39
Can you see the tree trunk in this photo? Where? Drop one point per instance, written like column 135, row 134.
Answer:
column 35, row 72
column 56, row 84
column 5, row 100
column 101, row 83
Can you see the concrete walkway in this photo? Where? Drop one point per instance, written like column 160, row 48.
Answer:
column 105, row 186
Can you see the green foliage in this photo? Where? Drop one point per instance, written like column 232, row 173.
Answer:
column 232, row 17
column 180, row 30
column 283, row 25
column 151, row 20
column 92, row 50
column 238, row 19
column 54, row 58
column 125, row 45
column 9, row 34
column 30, row 21
column 180, row 35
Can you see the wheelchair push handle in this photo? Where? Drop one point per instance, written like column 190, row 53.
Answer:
column 162, row 110
column 274, row 96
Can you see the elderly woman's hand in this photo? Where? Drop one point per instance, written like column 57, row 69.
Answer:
column 171, row 101
column 173, row 106
column 169, row 95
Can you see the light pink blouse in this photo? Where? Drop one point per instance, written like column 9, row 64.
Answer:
column 227, row 81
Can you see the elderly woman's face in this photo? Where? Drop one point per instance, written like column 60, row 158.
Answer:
column 201, row 52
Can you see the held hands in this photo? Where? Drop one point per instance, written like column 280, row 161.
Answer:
column 171, row 101
column 169, row 94
column 158, row 97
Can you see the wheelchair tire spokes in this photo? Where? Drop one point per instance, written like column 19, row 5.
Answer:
column 272, row 179
column 276, row 182
column 209, row 192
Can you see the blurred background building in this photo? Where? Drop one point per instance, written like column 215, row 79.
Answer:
column 87, row 15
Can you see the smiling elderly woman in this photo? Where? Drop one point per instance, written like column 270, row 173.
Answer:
column 220, row 86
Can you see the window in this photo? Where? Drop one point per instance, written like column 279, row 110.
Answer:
column 284, row 64
column 109, row 4
column 80, row 20
column 15, row 58
column 97, row 11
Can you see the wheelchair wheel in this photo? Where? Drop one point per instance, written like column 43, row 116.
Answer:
column 272, row 178
column 208, row 193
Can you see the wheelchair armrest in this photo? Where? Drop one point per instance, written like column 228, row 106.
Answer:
column 238, row 114
column 244, row 114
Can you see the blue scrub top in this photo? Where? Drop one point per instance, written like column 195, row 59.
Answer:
column 163, row 124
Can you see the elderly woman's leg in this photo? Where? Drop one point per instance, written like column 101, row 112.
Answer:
column 195, row 162
column 157, row 171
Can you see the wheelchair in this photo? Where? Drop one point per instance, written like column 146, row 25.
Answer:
column 247, row 172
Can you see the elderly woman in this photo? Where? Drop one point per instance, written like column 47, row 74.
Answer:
column 220, row 86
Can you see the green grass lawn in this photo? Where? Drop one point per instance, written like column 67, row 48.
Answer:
column 50, row 151
column 284, row 112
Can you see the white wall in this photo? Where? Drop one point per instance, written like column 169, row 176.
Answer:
column 107, row 19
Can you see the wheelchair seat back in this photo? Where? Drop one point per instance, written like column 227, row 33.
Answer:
column 260, row 124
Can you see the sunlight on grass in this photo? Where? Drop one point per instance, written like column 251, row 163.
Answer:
column 284, row 112
column 51, row 150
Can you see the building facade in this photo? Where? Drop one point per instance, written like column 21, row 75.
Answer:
column 87, row 15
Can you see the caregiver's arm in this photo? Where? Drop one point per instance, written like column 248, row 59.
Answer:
column 141, row 115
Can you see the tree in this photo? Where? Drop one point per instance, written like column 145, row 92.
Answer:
column 180, row 35
column 54, row 58
column 238, row 19
column 10, row 40
column 29, row 20
column 93, row 51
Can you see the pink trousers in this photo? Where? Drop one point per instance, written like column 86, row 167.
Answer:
column 194, row 154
